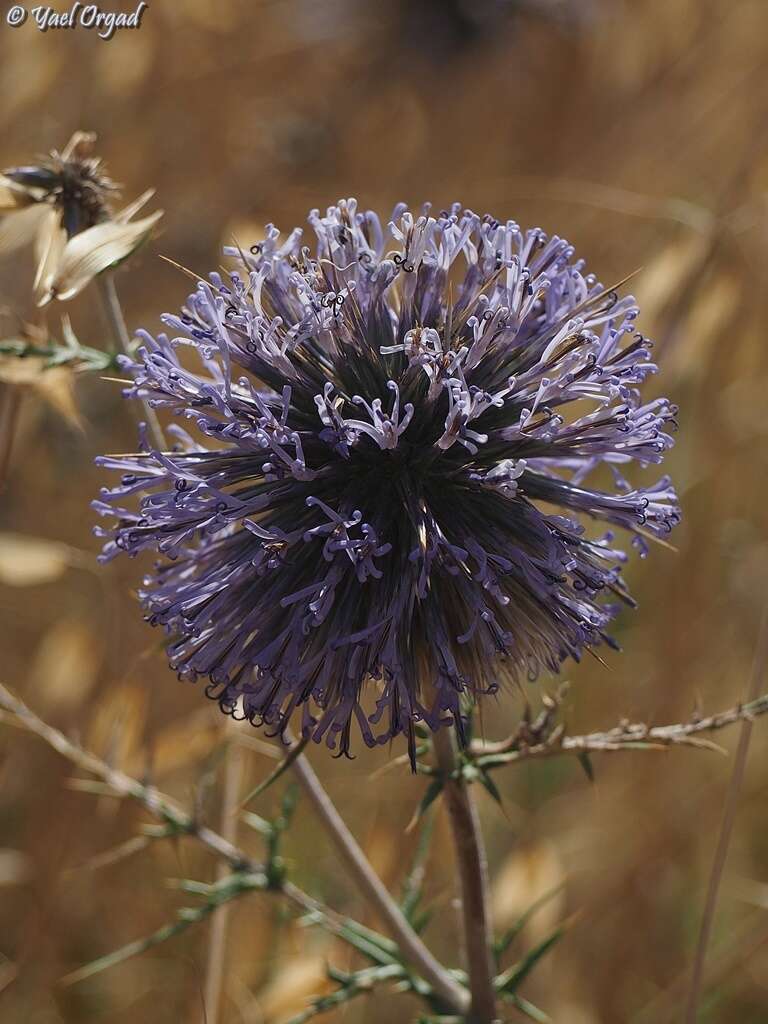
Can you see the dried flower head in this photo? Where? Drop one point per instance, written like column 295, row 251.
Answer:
column 363, row 528
column 62, row 204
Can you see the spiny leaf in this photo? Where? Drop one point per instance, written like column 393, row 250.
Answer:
column 414, row 881
column 131, row 949
column 337, row 975
column 258, row 824
column 190, row 886
column 287, row 806
column 113, row 855
column 295, row 751
column 353, row 985
column 530, row 1011
column 469, row 725
column 272, row 832
column 434, row 789
column 386, row 945
column 586, row 763
column 490, row 786
column 80, row 358
column 511, row 979
column 223, row 891
column 419, row 921
column 503, row 944
column 375, row 947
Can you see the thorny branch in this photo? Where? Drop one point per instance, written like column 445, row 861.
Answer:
column 73, row 354
column 539, row 737
column 545, row 737
column 181, row 822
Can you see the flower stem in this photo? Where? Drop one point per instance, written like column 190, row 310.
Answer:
column 369, row 883
column 121, row 342
column 473, row 872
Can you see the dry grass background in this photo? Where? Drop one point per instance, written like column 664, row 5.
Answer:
column 637, row 130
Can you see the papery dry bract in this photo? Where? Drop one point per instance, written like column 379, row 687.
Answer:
column 62, row 206
column 90, row 253
column 376, row 422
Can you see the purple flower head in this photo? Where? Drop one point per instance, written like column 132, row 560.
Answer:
column 363, row 528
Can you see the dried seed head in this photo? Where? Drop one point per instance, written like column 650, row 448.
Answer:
column 73, row 182
column 63, row 205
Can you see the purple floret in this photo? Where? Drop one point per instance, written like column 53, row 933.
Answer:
column 362, row 528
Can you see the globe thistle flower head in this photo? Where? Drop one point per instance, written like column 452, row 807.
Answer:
column 377, row 515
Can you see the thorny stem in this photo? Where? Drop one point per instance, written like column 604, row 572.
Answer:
column 157, row 803
column 168, row 811
column 219, row 896
column 413, row 949
column 122, row 343
column 628, row 736
column 473, row 872
column 726, row 829
column 161, row 806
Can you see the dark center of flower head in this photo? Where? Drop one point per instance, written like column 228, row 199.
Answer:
column 377, row 519
column 81, row 195
column 74, row 182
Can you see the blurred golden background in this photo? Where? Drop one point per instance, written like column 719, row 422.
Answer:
column 636, row 129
